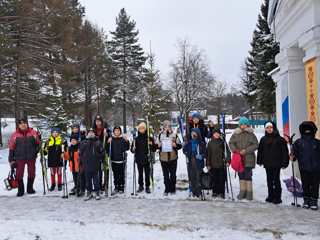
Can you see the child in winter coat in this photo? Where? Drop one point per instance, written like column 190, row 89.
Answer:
column 307, row 151
column 72, row 155
column 195, row 150
column 91, row 154
column 142, row 147
column 244, row 142
column 54, row 149
column 119, row 145
column 217, row 159
column 169, row 157
column 273, row 155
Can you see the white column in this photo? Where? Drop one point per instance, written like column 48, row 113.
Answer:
column 292, row 73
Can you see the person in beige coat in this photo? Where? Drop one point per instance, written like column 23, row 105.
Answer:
column 169, row 144
column 245, row 142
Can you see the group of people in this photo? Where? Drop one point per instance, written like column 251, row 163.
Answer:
column 93, row 155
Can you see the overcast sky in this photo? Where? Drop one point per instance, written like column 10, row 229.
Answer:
column 222, row 28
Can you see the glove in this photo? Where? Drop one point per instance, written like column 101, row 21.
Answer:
column 205, row 169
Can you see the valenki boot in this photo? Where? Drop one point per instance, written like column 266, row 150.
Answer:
column 242, row 193
column 249, row 195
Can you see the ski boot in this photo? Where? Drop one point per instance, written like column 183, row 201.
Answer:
column 53, row 186
column 20, row 188
column 96, row 195
column 306, row 203
column 30, row 189
column 73, row 191
column 88, row 197
column 148, row 191
column 140, row 189
column 314, row 204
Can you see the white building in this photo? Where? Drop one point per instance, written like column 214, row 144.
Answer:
column 296, row 25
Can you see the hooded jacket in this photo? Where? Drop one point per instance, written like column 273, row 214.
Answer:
column 245, row 140
column 23, row 145
column 91, row 154
column 307, row 148
column 195, row 148
column 273, row 150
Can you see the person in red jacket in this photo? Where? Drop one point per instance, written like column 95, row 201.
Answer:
column 24, row 145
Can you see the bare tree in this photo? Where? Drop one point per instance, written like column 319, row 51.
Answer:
column 191, row 78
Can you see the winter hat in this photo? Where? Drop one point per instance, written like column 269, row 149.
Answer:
column 197, row 131
column 244, row 121
column 269, row 124
column 75, row 125
column 142, row 125
column 216, row 130
column 196, row 115
column 22, row 120
column 308, row 128
column 117, row 127
column 55, row 129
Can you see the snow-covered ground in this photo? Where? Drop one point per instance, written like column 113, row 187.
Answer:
column 152, row 216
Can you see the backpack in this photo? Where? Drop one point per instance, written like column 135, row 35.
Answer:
column 237, row 162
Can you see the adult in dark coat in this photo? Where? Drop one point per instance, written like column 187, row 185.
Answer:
column 307, row 151
column 142, row 147
column 273, row 154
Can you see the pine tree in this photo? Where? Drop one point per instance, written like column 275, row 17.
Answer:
column 155, row 98
column 258, row 86
column 128, row 59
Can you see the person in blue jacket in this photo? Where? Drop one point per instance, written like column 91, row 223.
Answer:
column 307, row 151
column 195, row 150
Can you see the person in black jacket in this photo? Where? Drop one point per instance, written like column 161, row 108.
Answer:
column 142, row 147
column 119, row 145
column 196, row 121
column 307, row 151
column 273, row 154
column 91, row 153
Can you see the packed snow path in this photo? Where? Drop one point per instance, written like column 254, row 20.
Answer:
column 123, row 218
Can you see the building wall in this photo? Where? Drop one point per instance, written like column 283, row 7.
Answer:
column 296, row 25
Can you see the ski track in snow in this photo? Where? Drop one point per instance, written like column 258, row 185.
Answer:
column 151, row 216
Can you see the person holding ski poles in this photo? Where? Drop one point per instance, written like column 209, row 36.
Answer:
column 244, row 142
column 216, row 163
column 195, row 150
column 24, row 145
column 273, row 154
column 54, row 149
column 119, row 146
column 91, row 154
column 168, row 145
column 102, row 133
column 142, row 147
column 307, row 151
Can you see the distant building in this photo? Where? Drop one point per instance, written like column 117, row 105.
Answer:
column 296, row 25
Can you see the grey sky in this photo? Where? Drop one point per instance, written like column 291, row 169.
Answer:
column 222, row 28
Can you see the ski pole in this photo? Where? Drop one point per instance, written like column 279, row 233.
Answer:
column 110, row 168
column 229, row 175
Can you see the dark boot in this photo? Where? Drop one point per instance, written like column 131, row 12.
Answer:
column 30, row 189
column 148, row 190
column 314, row 204
column 20, row 188
column 53, row 186
column 59, row 187
column 306, row 203
column 140, row 189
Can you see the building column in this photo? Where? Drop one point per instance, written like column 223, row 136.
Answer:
column 291, row 90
